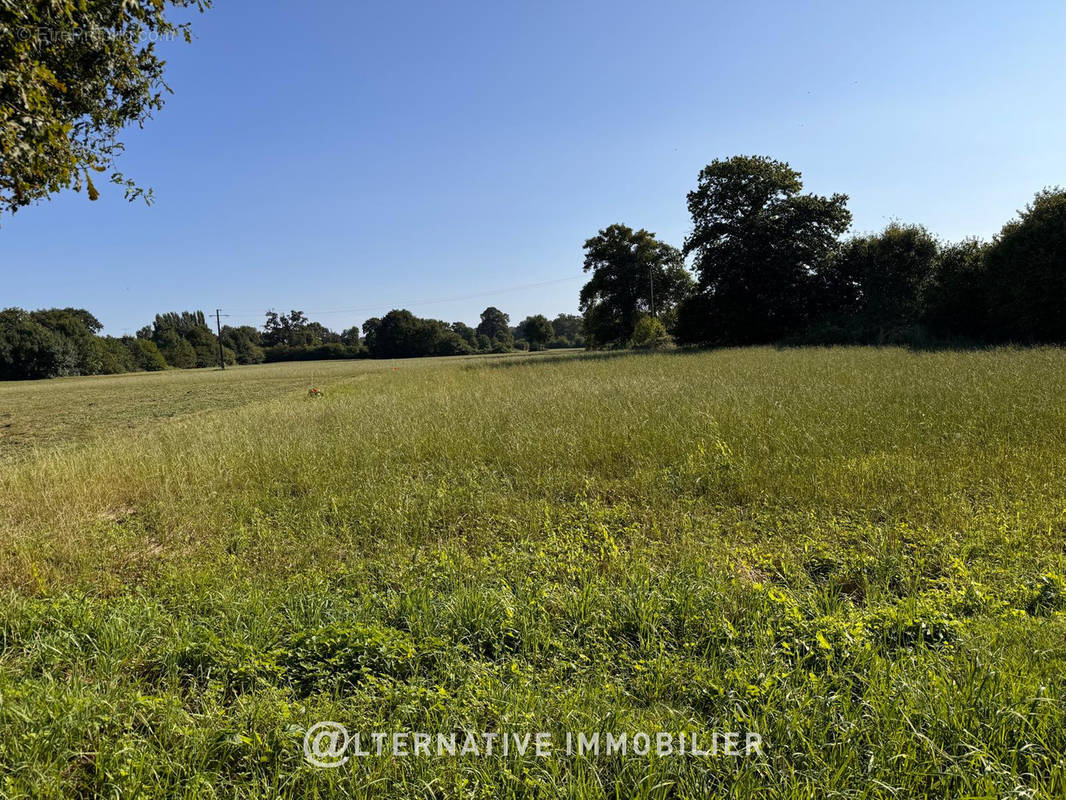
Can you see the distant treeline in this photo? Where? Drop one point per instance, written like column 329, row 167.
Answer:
column 764, row 263
column 56, row 342
column 768, row 265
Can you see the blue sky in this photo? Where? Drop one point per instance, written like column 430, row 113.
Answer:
column 346, row 158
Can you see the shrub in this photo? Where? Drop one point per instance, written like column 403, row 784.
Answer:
column 650, row 334
column 145, row 355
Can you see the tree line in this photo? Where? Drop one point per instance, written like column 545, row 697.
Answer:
column 769, row 264
column 764, row 263
column 58, row 342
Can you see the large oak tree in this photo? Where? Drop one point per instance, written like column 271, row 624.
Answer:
column 758, row 244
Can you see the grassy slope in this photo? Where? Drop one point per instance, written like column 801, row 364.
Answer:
column 854, row 552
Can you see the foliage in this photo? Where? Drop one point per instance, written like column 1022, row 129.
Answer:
column 466, row 333
column 370, row 333
column 144, row 354
column 1027, row 273
column 629, row 268
column 650, row 334
column 175, row 348
column 246, row 343
column 319, row 352
column 119, row 355
column 74, row 75
column 536, row 330
column 349, row 337
column 568, row 330
column 77, row 328
column 758, row 245
column 958, row 298
column 495, row 326
column 878, row 283
column 400, row 334
column 296, row 330
column 29, row 349
column 183, row 338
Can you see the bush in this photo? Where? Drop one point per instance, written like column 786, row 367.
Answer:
column 650, row 334
column 145, row 355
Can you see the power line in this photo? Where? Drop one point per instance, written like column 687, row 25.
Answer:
column 377, row 306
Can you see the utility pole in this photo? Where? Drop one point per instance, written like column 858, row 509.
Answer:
column 218, row 327
column 651, row 280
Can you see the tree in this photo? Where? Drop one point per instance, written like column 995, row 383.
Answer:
column 78, row 328
column 75, row 73
column 536, row 330
column 400, row 334
column 957, row 296
column 878, row 282
column 282, row 329
column 370, row 333
column 1027, row 272
column 567, row 329
column 350, row 337
column 176, row 350
column 145, row 355
column 495, row 326
column 466, row 333
column 30, row 350
column 205, row 345
column 245, row 342
column 176, row 334
column 630, row 269
column 315, row 333
column 295, row 330
column 117, row 355
column 758, row 244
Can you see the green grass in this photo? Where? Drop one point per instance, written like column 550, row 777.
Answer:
column 45, row 415
column 856, row 553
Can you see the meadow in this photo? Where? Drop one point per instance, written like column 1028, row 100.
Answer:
column 857, row 553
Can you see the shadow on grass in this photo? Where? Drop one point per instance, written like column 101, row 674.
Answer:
column 930, row 346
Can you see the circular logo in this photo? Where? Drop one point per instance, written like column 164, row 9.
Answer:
column 325, row 744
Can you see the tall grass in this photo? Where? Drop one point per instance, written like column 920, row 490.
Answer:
column 855, row 552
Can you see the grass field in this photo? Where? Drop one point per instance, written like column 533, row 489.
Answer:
column 856, row 553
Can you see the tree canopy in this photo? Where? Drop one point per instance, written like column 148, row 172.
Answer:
column 495, row 326
column 536, row 330
column 1027, row 272
column 757, row 245
column 877, row 283
column 75, row 73
column 630, row 270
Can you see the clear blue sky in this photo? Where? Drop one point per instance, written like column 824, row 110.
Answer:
column 353, row 155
